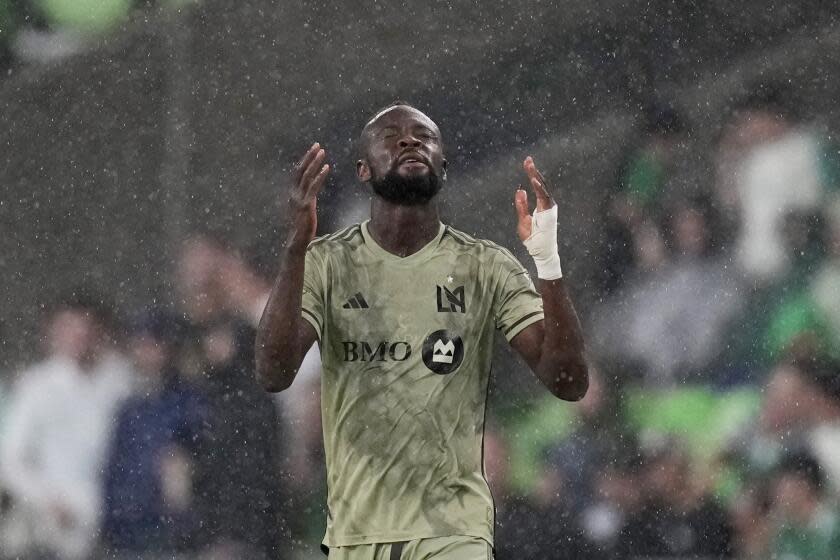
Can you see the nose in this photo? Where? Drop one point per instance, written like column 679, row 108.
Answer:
column 409, row 141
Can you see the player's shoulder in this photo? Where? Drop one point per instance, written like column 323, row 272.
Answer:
column 347, row 238
column 484, row 248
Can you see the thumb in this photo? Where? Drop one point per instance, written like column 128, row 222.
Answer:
column 521, row 201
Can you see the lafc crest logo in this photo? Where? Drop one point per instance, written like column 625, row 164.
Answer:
column 443, row 352
column 451, row 300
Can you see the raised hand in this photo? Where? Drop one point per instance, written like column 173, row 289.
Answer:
column 544, row 199
column 308, row 178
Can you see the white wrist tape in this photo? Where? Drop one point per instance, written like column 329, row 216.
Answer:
column 542, row 244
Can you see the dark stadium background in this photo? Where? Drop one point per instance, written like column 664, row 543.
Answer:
column 176, row 118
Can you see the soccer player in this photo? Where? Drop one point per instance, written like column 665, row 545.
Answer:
column 404, row 310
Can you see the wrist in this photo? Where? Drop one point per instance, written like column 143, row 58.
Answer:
column 542, row 244
column 548, row 267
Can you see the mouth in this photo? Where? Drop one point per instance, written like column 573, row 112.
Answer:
column 413, row 160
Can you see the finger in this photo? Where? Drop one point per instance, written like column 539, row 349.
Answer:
column 535, row 177
column 539, row 184
column 310, row 153
column 313, row 169
column 543, row 182
column 531, row 170
column 301, row 165
column 318, row 182
column 521, row 202
column 530, row 167
column 540, row 191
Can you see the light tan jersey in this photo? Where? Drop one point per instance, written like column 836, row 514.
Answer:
column 406, row 345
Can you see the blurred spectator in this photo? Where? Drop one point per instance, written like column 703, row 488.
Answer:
column 200, row 294
column 538, row 525
column 200, row 297
column 246, row 290
column 781, row 314
column 618, row 497
column 782, row 419
column 751, row 522
column 218, row 282
column 238, row 488
column 801, row 410
column 680, row 518
column 232, row 284
column 671, row 322
column 303, row 448
column 808, row 527
column 238, row 462
column 793, row 318
column 148, row 479
column 769, row 164
column 824, row 288
column 57, row 432
column 601, row 436
column 633, row 208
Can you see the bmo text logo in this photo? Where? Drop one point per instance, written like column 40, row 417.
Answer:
column 443, row 352
column 362, row 351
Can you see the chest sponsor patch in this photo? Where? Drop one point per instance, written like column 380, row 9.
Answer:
column 443, row 352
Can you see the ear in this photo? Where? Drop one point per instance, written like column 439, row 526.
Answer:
column 443, row 170
column 363, row 171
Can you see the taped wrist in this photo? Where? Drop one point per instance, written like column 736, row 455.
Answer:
column 542, row 244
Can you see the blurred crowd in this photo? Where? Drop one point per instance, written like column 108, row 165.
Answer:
column 43, row 31
column 149, row 437
column 713, row 276
column 711, row 428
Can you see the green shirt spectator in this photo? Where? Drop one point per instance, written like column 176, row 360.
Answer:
column 819, row 540
column 808, row 527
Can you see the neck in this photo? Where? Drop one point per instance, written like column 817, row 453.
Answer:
column 87, row 362
column 806, row 511
column 403, row 230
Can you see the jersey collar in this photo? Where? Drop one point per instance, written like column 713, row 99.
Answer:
column 421, row 255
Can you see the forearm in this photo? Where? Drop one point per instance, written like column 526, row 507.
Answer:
column 562, row 363
column 554, row 348
column 279, row 343
column 283, row 337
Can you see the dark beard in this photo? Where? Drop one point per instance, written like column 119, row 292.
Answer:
column 406, row 191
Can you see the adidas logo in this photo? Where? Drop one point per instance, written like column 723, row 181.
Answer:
column 356, row 302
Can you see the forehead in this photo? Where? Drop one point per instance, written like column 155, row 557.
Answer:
column 70, row 318
column 400, row 115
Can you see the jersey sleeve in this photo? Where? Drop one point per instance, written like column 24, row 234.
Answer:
column 516, row 303
column 312, row 301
